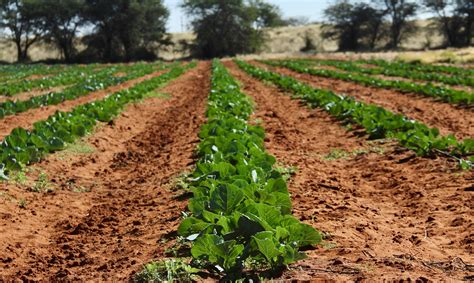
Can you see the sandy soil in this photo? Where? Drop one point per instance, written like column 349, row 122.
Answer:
column 448, row 118
column 386, row 213
column 111, row 230
column 26, row 119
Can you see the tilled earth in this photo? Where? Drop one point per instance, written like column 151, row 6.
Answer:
column 385, row 213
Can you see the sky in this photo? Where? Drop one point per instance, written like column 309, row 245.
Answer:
column 313, row 9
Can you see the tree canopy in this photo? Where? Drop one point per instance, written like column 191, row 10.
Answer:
column 231, row 27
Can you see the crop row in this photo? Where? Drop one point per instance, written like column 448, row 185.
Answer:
column 444, row 94
column 69, row 76
column 241, row 208
column 17, row 72
column 84, row 86
column 393, row 71
column 377, row 121
column 426, row 68
column 23, row 147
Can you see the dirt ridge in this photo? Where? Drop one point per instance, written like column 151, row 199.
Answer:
column 107, row 234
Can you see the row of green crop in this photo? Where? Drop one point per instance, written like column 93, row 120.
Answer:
column 393, row 71
column 68, row 76
column 84, row 86
column 241, row 208
column 442, row 93
column 23, row 147
column 17, row 72
column 419, row 67
column 377, row 121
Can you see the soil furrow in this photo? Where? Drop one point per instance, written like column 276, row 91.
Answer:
column 394, row 78
column 385, row 213
column 131, row 208
column 26, row 119
column 448, row 118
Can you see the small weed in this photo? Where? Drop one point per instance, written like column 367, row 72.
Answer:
column 78, row 148
column 156, row 94
column 286, row 171
column 81, row 189
column 337, row 154
column 328, row 245
column 22, row 203
column 258, row 121
column 42, row 184
column 19, row 177
column 180, row 182
column 171, row 270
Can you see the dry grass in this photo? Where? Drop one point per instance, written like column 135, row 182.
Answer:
column 288, row 42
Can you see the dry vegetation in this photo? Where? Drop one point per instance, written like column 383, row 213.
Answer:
column 288, row 41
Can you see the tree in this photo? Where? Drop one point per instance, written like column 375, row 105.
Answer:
column 223, row 28
column 125, row 29
column 296, row 21
column 355, row 26
column 61, row 20
column 23, row 21
column 266, row 14
column 465, row 10
column 399, row 13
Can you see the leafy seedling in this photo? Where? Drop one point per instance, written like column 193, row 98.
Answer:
column 42, row 184
column 170, row 270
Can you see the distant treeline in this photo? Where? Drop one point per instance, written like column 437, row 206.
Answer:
column 128, row 30
column 358, row 25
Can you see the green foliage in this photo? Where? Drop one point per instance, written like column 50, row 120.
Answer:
column 424, row 68
column 125, row 29
column 443, row 93
column 241, row 205
column 455, row 18
column 42, row 184
column 172, row 270
column 355, row 25
column 377, row 121
column 84, row 86
column 11, row 73
column 22, row 18
column 387, row 69
column 24, row 147
column 225, row 28
column 399, row 13
column 69, row 76
column 60, row 22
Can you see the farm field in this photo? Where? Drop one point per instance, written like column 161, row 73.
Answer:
column 292, row 169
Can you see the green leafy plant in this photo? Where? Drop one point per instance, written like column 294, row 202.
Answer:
column 428, row 89
column 241, row 208
column 378, row 122
column 170, row 270
column 391, row 70
column 62, row 128
column 83, row 87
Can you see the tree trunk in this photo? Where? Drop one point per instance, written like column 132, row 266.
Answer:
column 18, row 51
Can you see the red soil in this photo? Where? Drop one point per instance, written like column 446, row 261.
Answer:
column 26, row 119
column 448, row 118
column 108, row 233
column 30, row 94
column 387, row 215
